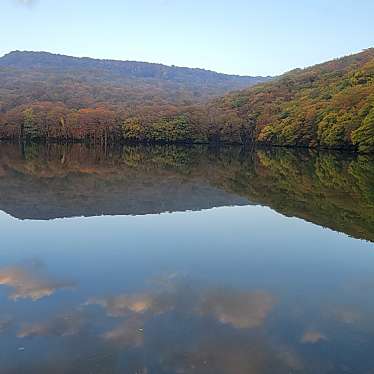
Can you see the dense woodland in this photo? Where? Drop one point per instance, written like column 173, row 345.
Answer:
column 330, row 105
column 55, row 97
column 59, row 98
column 328, row 188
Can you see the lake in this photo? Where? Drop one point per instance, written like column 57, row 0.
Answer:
column 167, row 259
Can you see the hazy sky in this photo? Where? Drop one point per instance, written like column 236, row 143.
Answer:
column 264, row 37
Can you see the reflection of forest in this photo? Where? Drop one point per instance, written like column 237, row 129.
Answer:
column 329, row 189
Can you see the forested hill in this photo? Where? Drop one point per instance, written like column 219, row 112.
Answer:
column 51, row 97
column 116, row 71
column 329, row 105
column 43, row 95
column 30, row 77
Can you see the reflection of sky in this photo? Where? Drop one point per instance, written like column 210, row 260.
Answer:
column 203, row 243
column 245, row 269
column 30, row 282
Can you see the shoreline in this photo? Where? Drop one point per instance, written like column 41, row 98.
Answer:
column 213, row 144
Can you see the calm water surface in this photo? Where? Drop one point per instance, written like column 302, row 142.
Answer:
column 185, row 260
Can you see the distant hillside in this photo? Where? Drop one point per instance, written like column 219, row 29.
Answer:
column 27, row 78
column 43, row 95
column 329, row 105
column 114, row 71
column 52, row 97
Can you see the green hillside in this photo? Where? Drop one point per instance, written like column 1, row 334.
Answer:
column 328, row 105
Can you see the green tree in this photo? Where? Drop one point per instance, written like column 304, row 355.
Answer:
column 363, row 137
column 133, row 130
column 30, row 127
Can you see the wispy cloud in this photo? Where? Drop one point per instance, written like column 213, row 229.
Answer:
column 63, row 325
column 123, row 305
column 129, row 333
column 30, row 281
column 26, row 3
column 313, row 337
column 242, row 310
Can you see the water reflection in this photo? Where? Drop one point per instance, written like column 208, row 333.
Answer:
column 217, row 330
column 62, row 325
column 184, row 327
column 238, row 289
column 242, row 310
column 30, row 281
column 313, row 336
column 5, row 323
column 330, row 189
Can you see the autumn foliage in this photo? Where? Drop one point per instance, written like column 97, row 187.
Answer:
column 57, row 98
column 330, row 105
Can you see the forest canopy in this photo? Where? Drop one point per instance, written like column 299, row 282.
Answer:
column 60, row 98
column 330, row 105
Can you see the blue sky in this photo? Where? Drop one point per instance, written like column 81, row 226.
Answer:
column 251, row 37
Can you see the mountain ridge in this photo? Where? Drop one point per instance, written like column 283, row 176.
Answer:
column 39, row 59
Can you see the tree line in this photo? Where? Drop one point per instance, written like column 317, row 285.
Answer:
column 330, row 105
